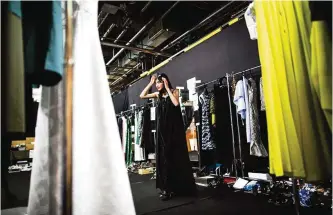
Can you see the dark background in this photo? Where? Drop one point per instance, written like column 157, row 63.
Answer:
column 230, row 50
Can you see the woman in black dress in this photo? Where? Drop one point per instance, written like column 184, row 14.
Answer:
column 173, row 168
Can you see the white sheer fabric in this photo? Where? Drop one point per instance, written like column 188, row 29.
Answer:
column 100, row 179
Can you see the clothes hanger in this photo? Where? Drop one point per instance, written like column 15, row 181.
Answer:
column 220, row 82
column 205, row 89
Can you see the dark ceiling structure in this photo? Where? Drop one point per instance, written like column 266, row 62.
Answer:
column 137, row 35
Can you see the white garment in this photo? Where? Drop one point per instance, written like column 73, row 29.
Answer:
column 46, row 182
column 100, row 180
column 239, row 99
column 139, row 153
column 250, row 19
column 247, row 111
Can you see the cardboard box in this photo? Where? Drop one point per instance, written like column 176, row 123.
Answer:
column 18, row 142
column 146, row 171
column 30, row 140
column 29, row 146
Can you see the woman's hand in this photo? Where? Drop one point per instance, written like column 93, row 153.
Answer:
column 153, row 79
column 166, row 83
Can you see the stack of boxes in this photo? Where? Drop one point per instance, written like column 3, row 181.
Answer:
column 21, row 154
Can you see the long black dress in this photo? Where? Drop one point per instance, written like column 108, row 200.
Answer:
column 173, row 167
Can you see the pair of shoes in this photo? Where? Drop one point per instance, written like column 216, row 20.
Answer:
column 165, row 196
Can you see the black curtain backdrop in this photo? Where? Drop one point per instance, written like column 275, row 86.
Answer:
column 230, row 50
column 120, row 101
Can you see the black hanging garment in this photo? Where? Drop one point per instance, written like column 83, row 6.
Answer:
column 147, row 141
column 173, row 167
column 207, row 142
column 224, row 148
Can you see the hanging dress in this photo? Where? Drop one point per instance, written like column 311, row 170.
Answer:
column 173, row 167
column 256, row 146
column 207, row 142
column 139, row 154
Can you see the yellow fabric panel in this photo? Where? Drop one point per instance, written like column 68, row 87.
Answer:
column 297, row 142
column 321, row 70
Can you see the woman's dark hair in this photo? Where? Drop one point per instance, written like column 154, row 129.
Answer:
column 159, row 78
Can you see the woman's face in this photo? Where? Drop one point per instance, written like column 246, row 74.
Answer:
column 159, row 85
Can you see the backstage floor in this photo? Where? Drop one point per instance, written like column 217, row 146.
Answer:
column 208, row 202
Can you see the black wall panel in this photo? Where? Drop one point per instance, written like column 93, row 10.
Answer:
column 230, row 50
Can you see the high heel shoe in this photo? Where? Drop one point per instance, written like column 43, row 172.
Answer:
column 165, row 196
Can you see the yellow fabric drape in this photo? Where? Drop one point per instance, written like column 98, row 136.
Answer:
column 297, row 85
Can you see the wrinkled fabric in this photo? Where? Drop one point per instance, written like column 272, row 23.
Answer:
column 100, row 183
column 256, row 147
column 239, row 99
column 299, row 131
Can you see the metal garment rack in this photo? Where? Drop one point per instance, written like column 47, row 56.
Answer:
column 134, row 109
column 235, row 161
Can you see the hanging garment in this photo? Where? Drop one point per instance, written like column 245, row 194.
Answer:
column 100, row 179
column 299, row 133
column 247, row 110
column 173, row 167
column 129, row 142
column 256, row 147
column 48, row 172
column 140, row 128
column 43, row 41
column 239, row 99
column 224, row 143
column 250, row 20
column 262, row 97
column 139, row 154
column 147, row 140
column 207, row 142
column 13, row 98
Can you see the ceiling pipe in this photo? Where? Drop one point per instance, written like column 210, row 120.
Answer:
column 138, row 34
column 120, row 35
column 129, row 42
column 169, row 10
column 133, row 48
column 103, row 20
column 122, row 67
column 172, row 43
column 134, row 68
column 146, row 6
column 108, row 31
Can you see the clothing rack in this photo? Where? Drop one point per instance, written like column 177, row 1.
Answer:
column 210, row 82
column 235, row 161
column 246, row 70
column 134, row 109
